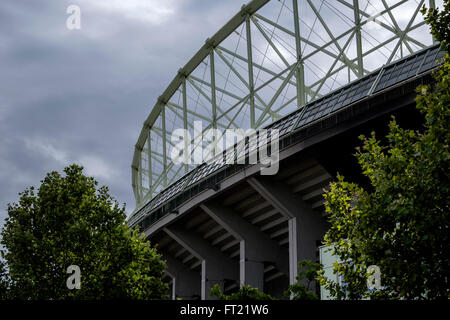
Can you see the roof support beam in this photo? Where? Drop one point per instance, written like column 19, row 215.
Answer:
column 330, row 34
column 250, row 71
column 228, row 93
column 255, row 246
column 274, row 47
column 407, row 29
column 207, row 98
column 308, row 42
column 213, row 88
column 216, row 267
column 396, row 26
column 381, row 23
column 163, row 116
column 172, row 107
column 305, row 225
column 185, row 125
column 277, row 94
column 358, row 38
column 327, row 76
column 272, row 73
column 186, row 283
column 149, row 156
column 140, row 195
column 233, row 69
column 300, row 73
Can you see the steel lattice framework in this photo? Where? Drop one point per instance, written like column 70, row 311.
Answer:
column 270, row 59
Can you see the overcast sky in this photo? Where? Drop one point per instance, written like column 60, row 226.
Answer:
column 81, row 96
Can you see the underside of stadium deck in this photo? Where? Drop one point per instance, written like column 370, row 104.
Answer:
column 253, row 229
column 226, row 224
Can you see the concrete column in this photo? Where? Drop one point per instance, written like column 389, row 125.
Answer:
column 255, row 246
column 171, row 284
column 305, row 225
column 251, row 267
column 186, row 283
column 216, row 267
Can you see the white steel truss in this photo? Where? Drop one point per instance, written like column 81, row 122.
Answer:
column 270, row 59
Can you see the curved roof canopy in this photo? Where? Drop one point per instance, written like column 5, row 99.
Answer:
column 270, row 59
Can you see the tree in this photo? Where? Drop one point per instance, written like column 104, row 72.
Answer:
column 3, row 281
column 69, row 221
column 247, row 293
column 439, row 21
column 402, row 224
column 308, row 272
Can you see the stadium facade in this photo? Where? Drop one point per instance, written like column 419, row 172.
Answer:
column 321, row 73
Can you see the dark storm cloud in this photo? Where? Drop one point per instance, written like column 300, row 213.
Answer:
column 82, row 95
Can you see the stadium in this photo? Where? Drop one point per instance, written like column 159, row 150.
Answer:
column 319, row 72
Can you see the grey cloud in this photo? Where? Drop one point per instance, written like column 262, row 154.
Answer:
column 84, row 94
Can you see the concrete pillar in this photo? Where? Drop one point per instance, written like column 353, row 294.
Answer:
column 216, row 267
column 171, row 284
column 305, row 225
column 255, row 246
column 186, row 283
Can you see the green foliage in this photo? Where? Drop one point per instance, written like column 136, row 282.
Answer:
column 308, row 272
column 439, row 21
column 247, row 293
column 3, row 281
column 69, row 221
column 402, row 225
